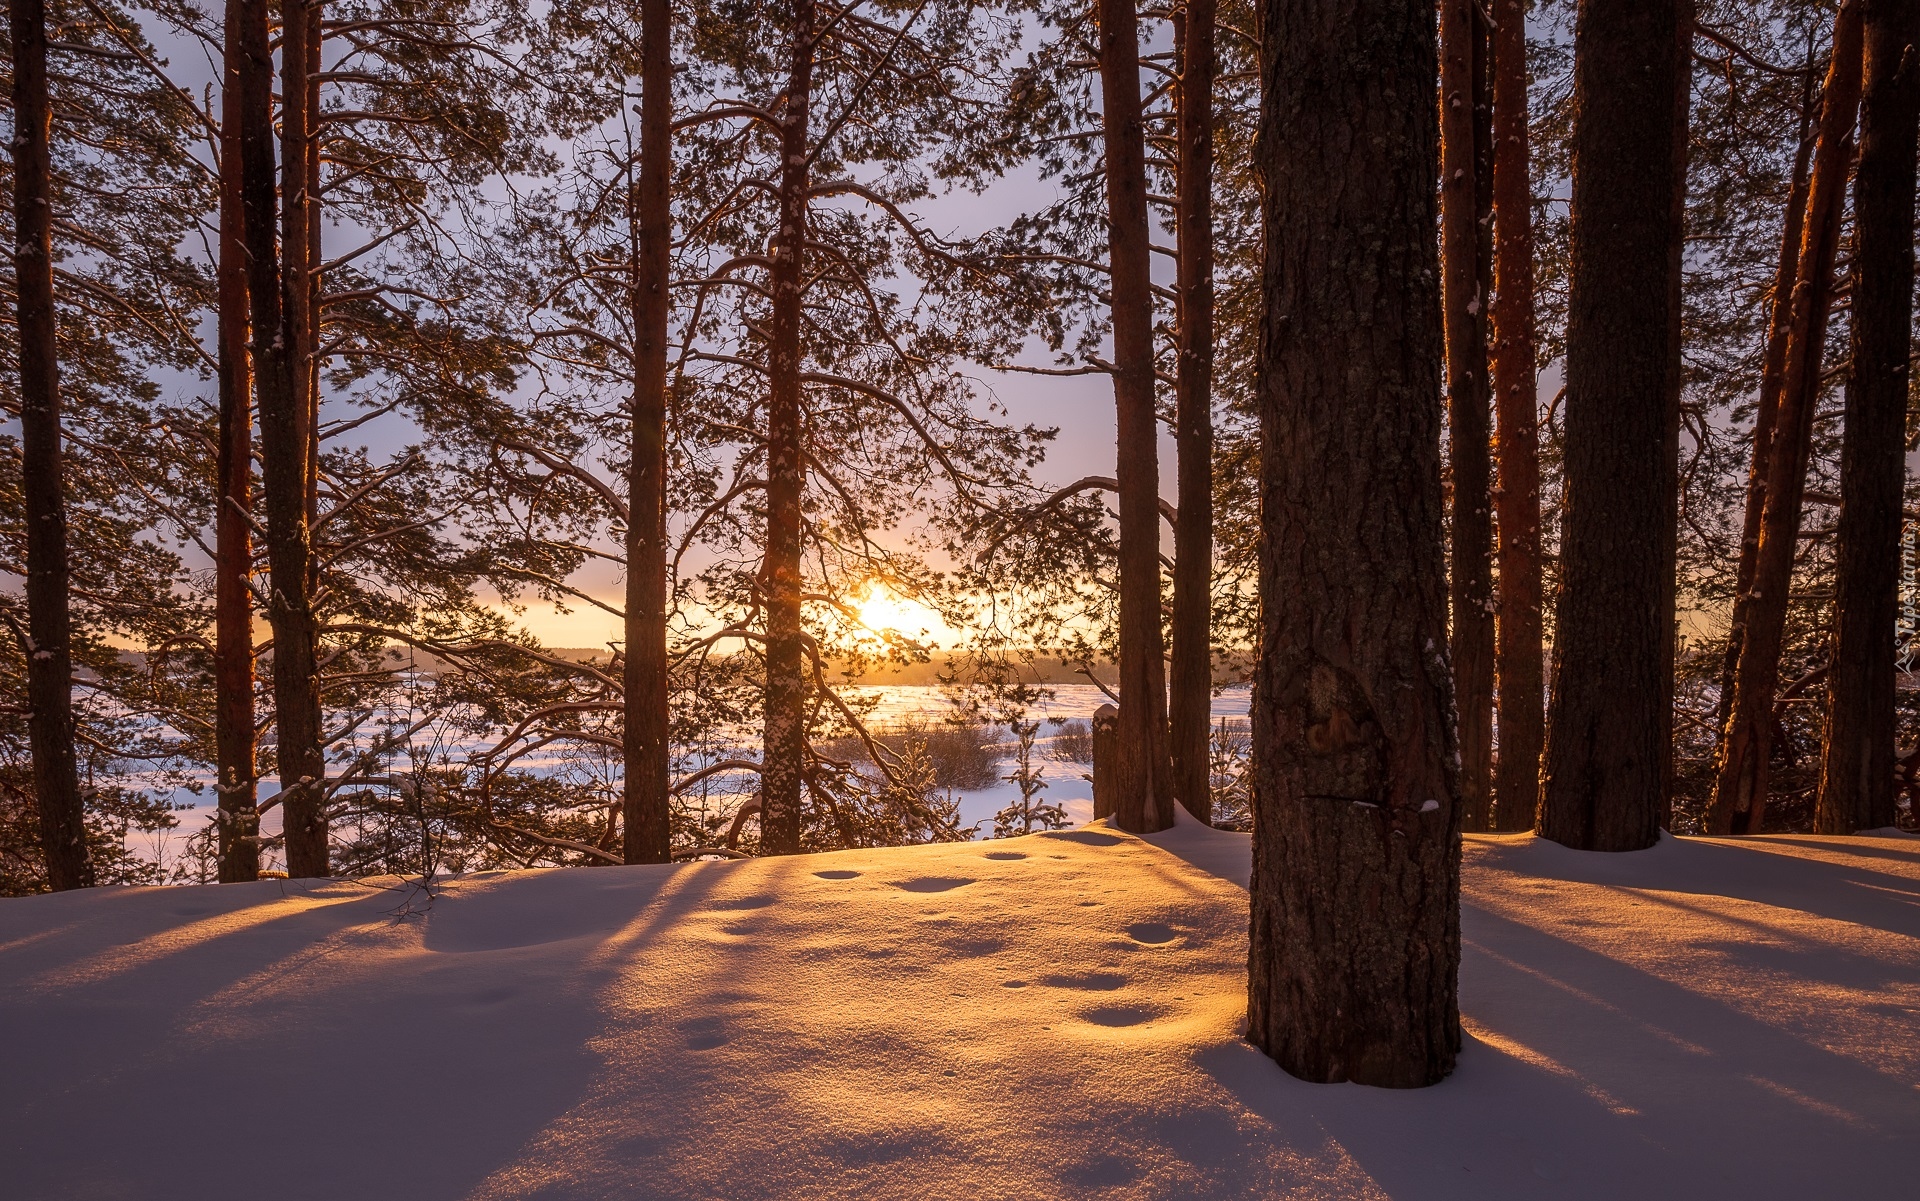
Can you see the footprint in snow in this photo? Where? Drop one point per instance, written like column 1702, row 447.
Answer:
column 1151, row 933
column 1006, row 855
column 1119, row 1015
column 837, row 875
column 933, row 884
column 745, row 903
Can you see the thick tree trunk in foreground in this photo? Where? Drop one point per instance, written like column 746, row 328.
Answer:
column 644, row 822
column 237, row 755
column 1355, row 941
column 286, row 433
column 1518, row 658
column 1740, row 782
column 1191, row 667
column 1603, row 771
column 1856, row 774
column 1464, row 302
column 1146, row 765
column 784, row 747
column 48, row 648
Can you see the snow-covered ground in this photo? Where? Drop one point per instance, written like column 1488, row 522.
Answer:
column 1052, row 1016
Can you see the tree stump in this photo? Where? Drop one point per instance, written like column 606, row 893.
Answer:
column 1106, row 761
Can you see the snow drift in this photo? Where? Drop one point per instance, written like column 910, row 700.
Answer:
column 1050, row 1016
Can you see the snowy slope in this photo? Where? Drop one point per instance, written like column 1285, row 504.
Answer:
column 1052, row 1016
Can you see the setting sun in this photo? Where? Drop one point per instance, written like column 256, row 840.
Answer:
column 882, row 610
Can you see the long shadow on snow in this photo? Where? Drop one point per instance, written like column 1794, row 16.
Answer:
column 1594, row 1079
column 478, row 1040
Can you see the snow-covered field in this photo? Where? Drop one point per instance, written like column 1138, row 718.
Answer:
column 1068, row 784
column 1052, row 1016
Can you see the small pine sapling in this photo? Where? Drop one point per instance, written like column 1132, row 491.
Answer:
column 1230, row 755
column 1029, row 812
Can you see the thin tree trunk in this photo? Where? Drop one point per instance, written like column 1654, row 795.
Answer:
column 286, row 432
column 645, row 821
column 1773, row 363
column 1739, row 798
column 1518, row 665
column 48, row 642
column 1355, row 938
column 1856, row 772
column 234, row 739
column 1146, row 765
column 1464, row 303
column 783, row 755
column 1676, row 382
column 1602, row 770
column 309, row 349
column 1191, row 667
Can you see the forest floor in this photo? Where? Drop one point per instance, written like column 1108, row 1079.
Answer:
column 1051, row 1016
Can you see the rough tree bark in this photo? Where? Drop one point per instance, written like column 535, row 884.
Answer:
column 784, row 748
column 1463, row 293
column 644, row 822
column 1602, row 771
column 286, row 435
column 47, row 642
column 1191, row 665
column 1739, row 798
column 1355, row 940
column 1856, row 773
column 1146, row 766
column 236, row 752
column 1518, row 657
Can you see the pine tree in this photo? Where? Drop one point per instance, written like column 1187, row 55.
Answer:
column 1355, row 943
column 1604, row 765
column 1856, row 773
column 1740, row 785
column 1190, row 655
column 1518, row 660
column 1465, row 229
column 46, row 641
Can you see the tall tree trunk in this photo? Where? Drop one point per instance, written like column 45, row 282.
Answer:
column 645, row 820
column 1518, row 666
column 783, row 754
column 309, row 349
column 234, row 739
column 1602, row 770
column 286, row 433
column 1856, row 773
column 1464, row 303
column 48, row 643
column 1355, row 941
column 1146, row 766
column 1676, row 382
column 1740, row 781
column 1773, row 363
column 1191, row 668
